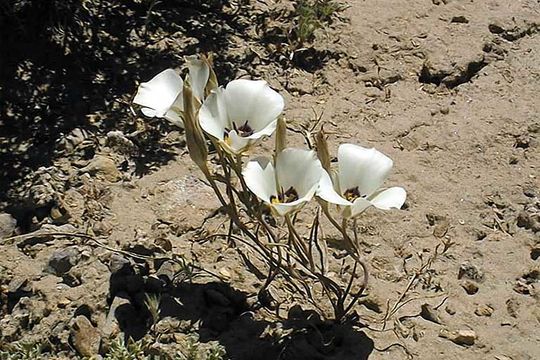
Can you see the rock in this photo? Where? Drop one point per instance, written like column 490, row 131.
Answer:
column 441, row 228
column 535, row 253
column 102, row 166
column 460, row 337
column 112, row 328
column 523, row 287
column 460, row 19
column 445, row 110
column 450, row 310
column 483, row 310
column 529, row 221
column 117, row 141
column 470, row 287
column 142, row 247
column 373, row 303
column 119, row 264
column 168, row 270
column 61, row 261
column 19, row 285
column 471, row 272
column 7, row 225
column 530, row 191
column 74, row 205
column 9, row 327
column 512, row 307
column 430, row 314
column 440, row 223
column 225, row 273
column 85, row 337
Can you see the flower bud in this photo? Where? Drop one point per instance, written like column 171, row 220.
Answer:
column 194, row 136
column 281, row 135
column 212, row 79
column 322, row 149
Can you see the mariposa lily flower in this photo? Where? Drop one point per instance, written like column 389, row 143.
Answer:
column 241, row 113
column 356, row 186
column 162, row 95
column 289, row 184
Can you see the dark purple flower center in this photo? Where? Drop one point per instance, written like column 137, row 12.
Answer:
column 285, row 196
column 353, row 194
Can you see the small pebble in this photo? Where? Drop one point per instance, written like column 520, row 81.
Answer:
column 470, row 287
column 460, row 337
column 484, row 310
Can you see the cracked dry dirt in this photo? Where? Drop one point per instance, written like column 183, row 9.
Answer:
column 449, row 90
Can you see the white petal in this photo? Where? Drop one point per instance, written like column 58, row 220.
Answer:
column 363, row 168
column 174, row 118
column 327, row 192
column 299, row 169
column 267, row 131
column 160, row 92
column 260, row 179
column 389, row 198
column 213, row 115
column 198, row 74
column 283, row 209
column 358, row 207
column 148, row 112
column 237, row 143
column 254, row 102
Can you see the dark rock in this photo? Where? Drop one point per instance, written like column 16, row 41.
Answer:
column 460, row 19
column 535, row 253
column 430, row 314
column 529, row 191
column 529, row 221
column 61, row 261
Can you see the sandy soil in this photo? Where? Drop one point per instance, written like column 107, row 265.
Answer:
column 447, row 88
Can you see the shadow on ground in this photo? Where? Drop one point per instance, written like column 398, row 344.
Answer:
column 67, row 64
column 217, row 312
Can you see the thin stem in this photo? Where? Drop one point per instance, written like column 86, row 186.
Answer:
column 299, row 243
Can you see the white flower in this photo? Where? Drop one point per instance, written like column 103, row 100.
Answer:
column 240, row 114
column 162, row 95
column 361, row 172
column 287, row 186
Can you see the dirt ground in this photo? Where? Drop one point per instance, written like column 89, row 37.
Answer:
column 447, row 88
